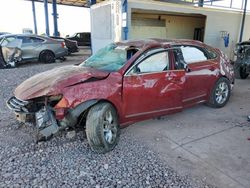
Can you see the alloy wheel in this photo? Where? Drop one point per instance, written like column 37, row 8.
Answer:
column 221, row 93
column 109, row 128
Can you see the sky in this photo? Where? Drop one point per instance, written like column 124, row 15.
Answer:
column 17, row 14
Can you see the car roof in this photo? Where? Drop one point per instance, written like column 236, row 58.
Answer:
column 26, row 35
column 159, row 42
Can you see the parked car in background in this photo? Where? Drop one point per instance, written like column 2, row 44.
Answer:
column 37, row 48
column 242, row 63
column 4, row 33
column 124, row 83
column 82, row 38
column 70, row 44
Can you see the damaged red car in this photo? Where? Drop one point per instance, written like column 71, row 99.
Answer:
column 121, row 84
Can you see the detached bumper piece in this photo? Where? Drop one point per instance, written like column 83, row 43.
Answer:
column 46, row 122
column 44, row 118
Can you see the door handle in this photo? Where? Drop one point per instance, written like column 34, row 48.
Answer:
column 173, row 78
column 170, row 78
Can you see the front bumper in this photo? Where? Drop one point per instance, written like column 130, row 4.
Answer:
column 44, row 119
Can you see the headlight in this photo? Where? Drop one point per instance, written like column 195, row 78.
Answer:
column 53, row 100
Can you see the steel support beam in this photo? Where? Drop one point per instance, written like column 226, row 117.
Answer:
column 125, row 11
column 46, row 16
column 243, row 21
column 92, row 2
column 34, row 16
column 55, row 16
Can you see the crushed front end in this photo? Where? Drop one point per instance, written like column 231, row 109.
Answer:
column 38, row 111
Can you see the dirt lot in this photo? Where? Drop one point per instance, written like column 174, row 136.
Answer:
column 199, row 147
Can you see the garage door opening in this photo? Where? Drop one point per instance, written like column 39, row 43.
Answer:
column 166, row 25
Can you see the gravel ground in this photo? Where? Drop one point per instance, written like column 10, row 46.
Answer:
column 67, row 161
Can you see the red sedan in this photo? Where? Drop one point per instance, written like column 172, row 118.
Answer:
column 124, row 83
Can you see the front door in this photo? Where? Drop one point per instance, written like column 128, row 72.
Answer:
column 151, row 88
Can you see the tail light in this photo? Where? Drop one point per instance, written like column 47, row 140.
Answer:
column 76, row 43
column 63, row 44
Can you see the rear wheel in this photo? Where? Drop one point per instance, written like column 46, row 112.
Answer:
column 220, row 93
column 102, row 127
column 47, row 57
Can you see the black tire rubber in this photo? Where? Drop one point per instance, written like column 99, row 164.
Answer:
column 94, row 128
column 47, row 56
column 243, row 72
column 240, row 71
column 62, row 59
column 212, row 101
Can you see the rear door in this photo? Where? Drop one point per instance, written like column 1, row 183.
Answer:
column 201, row 72
column 151, row 87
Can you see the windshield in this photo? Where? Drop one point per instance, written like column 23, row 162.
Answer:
column 111, row 58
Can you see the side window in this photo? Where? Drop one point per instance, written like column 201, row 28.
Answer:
column 154, row 63
column 26, row 40
column 36, row 40
column 192, row 54
column 86, row 37
column 78, row 35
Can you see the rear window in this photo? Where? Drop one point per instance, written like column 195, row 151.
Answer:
column 211, row 54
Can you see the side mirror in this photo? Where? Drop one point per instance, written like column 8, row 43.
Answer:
column 186, row 68
column 135, row 70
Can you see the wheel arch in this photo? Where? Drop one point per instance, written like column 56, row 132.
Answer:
column 81, row 109
column 115, row 107
column 46, row 50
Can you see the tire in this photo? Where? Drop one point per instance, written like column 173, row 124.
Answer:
column 62, row 59
column 102, row 128
column 220, row 93
column 47, row 57
column 243, row 72
column 240, row 71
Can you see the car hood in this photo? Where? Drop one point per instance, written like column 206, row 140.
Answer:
column 52, row 82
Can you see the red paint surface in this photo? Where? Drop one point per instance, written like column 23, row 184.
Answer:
column 136, row 97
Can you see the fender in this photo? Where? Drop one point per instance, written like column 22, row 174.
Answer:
column 71, row 118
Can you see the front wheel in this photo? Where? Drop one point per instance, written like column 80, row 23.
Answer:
column 102, row 128
column 220, row 93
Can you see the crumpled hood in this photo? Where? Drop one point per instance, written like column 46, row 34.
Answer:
column 52, row 82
